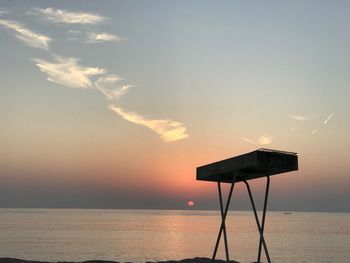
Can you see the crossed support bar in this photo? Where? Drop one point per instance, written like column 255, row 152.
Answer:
column 261, row 226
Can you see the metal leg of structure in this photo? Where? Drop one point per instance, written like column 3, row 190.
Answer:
column 223, row 218
column 264, row 215
column 224, row 225
column 262, row 239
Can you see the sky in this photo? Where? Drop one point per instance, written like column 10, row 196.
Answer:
column 113, row 104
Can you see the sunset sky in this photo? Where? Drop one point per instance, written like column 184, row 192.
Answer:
column 113, row 104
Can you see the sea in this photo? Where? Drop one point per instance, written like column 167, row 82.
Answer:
column 157, row 235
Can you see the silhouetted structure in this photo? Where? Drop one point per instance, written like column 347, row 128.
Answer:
column 260, row 163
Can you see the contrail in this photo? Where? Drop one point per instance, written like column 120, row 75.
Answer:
column 328, row 118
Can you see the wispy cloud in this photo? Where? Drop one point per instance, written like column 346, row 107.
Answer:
column 328, row 118
column 63, row 16
column 265, row 139
column 297, row 117
column 67, row 71
column 93, row 37
column 168, row 130
column 29, row 37
column 262, row 140
column 314, row 131
column 109, row 87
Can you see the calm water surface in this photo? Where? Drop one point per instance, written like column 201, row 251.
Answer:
column 141, row 235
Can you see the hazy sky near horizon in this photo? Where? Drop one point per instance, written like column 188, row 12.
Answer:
column 115, row 103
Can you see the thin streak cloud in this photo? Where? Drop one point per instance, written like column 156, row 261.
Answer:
column 248, row 140
column 328, row 118
column 67, row 71
column 63, row 16
column 168, row 130
column 29, row 37
column 297, row 117
column 3, row 11
column 324, row 123
column 93, row 37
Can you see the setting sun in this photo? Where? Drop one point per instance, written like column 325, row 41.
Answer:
column 190, row 203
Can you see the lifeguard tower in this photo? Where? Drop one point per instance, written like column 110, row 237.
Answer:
column 242, row 168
